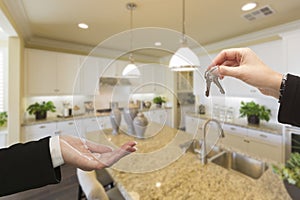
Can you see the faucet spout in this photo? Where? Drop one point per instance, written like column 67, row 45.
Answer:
column 203, row 147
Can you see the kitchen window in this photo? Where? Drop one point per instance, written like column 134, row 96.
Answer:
column 3, row 78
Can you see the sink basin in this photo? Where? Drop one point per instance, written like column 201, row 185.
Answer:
column 213, row 152
column 240, row 163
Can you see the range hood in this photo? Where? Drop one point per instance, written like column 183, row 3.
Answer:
column 116, row 81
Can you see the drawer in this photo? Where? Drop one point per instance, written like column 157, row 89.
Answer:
column 235, row 130
column 265, row 137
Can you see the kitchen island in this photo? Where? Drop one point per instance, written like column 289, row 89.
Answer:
column 172, row 171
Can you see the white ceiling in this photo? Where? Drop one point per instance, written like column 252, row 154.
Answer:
column 207, row 22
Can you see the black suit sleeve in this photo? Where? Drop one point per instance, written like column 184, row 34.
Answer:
column 289, row 110
column 27, row 166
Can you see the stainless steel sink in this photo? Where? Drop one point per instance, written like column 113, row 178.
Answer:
column 240, row 163
column 213, row 152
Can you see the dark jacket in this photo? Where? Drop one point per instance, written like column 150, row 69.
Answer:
column 27, row 166
column 289, row 110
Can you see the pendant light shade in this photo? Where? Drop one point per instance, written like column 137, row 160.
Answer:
column 131, row 70
column 184, row 58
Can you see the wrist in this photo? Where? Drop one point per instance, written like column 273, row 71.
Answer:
column 282, row 87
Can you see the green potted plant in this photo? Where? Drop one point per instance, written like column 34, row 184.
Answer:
column 40, row 109
column 254, row 112
column 3, row 118
column 159, row 100
column 290, row 174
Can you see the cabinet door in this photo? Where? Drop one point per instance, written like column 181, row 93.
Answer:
column 41, row 72
column 70, row 128
column 235, row 137
column 3, row 139
column 266, row 145
column 104, row 122
column 191, row 124
column 36, row 132
column 91, row 124
column 292, row 45
column 67, row 70
column 89, row 75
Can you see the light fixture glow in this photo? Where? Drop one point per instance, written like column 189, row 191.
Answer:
column 131, row 70
column 83, row 26
column 184, row 58
column 158, row 184
column 158, row 44
column 249, row 6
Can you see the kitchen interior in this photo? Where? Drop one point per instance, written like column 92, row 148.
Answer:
column 82, row 72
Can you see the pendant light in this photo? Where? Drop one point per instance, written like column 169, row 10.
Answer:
column 184, row 58
column 131, row 70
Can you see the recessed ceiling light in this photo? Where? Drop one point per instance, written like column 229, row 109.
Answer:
column 157, row 44
column 249, row 6
column 1, row 30
column 83, row 26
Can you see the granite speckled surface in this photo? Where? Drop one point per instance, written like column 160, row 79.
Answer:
column 185, row 177
column 263, row 126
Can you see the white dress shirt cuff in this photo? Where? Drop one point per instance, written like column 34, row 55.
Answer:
column 55, row 152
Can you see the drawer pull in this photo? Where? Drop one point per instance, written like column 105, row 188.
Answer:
column 247, row 141
column 262, row 135
column 232, row 128
column 42, row 126
column 70, row 123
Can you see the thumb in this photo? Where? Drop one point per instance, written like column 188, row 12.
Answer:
column 229, row 71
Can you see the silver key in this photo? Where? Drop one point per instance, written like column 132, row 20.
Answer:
column 212, row 76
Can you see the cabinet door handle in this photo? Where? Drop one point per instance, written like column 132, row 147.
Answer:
column 247, row 141
column 262, row 135
column 70, row 123
column 42, row 126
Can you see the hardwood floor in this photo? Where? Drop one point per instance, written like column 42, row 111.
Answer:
column 66, row 190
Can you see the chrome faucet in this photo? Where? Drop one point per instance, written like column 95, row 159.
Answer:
column 203, row 146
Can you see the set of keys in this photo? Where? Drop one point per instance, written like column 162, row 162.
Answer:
column 212, row 76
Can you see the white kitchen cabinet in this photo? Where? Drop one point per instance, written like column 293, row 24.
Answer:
column 160, row 116
column 3, row 138
column 104, row 122
column 291, row 43
column 41, row 72
column 90, row 72
column 51, row 73
column 67, row 76
column 36, row 132
column 112, row 68
column 192, row 124
column 70, row 127
column 254, row 142
column 235, row 137
column 265, row 145
column 91, row 124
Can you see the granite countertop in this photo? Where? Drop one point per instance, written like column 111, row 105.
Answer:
column 276, row 129
column 32, row 121
column 163, row 168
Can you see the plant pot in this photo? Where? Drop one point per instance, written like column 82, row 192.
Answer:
column 253, row 119
column 158, row 105
column 40, row 115
column 292, row 190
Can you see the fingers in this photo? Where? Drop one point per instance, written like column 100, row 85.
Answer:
column 129, row 146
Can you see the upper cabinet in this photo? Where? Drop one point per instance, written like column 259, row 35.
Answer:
column 51, row 73
column 291, row 42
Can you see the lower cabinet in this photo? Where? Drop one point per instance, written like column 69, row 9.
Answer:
column 161, row 116
column 72, row 127
column 253, row 142
column 36, row 132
